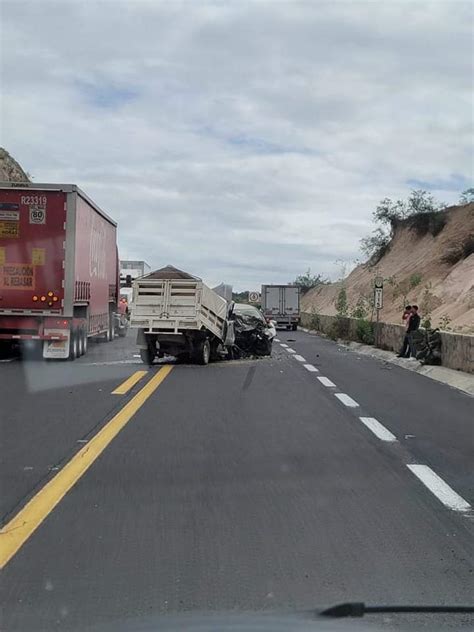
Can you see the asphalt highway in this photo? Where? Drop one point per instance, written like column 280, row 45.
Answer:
column 274, row 485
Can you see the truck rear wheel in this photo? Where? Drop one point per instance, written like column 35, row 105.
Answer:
column 295, row 327
column 203, row 352
column 85, row 341
column 147, row 355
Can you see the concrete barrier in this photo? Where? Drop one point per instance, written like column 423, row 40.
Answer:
column 457, row 350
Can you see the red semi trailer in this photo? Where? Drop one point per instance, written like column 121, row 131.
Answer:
column 59, row 268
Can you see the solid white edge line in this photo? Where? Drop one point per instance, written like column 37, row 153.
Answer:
column 291, row 350
column 282, row 344
column 439, row 488
column 311, row 368
column 299, row 358
column 325, row 381
column 378, row 429
column 346, row 400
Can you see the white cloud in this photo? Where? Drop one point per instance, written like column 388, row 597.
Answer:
column 243, row 142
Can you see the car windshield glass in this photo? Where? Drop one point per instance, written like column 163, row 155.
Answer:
column 245, row 310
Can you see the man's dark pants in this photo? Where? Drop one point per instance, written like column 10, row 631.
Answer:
column 405, row 350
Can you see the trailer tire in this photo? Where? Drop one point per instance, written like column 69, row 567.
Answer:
column 73, row 346
column 295, row 327
column 80, row 343
column 203, row 352
column 111, row 329
column 147, row 356
column 85, row 341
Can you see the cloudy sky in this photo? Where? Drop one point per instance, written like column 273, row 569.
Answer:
column 241, row 141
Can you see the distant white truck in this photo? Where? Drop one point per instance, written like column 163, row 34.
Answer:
column 177, row 314
column 281, row 303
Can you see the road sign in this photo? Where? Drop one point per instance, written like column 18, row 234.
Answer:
column 254, row 297
column 378, row 297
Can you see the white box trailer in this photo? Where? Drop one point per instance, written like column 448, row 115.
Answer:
column 177, row 314
column 281, row 303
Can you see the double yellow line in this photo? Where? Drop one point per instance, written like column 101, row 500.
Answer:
column 27, row 520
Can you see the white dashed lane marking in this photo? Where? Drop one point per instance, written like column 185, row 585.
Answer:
column 439, row 488
column 325, row 381
column 378, row 429
column 346, row 400
column 434, row 483
column 277, row 340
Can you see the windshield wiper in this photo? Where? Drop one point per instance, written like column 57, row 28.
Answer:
column 359, row 609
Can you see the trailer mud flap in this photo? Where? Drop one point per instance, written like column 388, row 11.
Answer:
column 56, row 348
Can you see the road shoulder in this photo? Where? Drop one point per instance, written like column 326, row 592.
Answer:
column 456, row 379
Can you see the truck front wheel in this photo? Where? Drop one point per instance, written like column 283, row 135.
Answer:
column 203, row 352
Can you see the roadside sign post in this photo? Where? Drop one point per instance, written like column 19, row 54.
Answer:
column 378, row 304
column 254, row 297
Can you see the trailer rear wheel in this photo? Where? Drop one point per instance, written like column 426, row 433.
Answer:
column 80, row 344
column 295, row 327
column 85, row 341
column 109, row 336
column 73, row 346
column 203, row 352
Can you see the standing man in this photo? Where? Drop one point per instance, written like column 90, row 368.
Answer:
column 413, row 325
column 404, row 351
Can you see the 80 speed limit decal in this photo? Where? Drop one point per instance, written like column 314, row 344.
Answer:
column 37, row 215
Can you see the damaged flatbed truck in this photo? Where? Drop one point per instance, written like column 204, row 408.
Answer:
column 176, row 314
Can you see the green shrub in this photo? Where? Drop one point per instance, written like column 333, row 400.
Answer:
column 431, row 222
column 444, row 322
column 415, row 280
column 361, row 308
column 339, row 328
column 341, row 303
column 315, row 320
column 365, row 331
column 375, row 246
